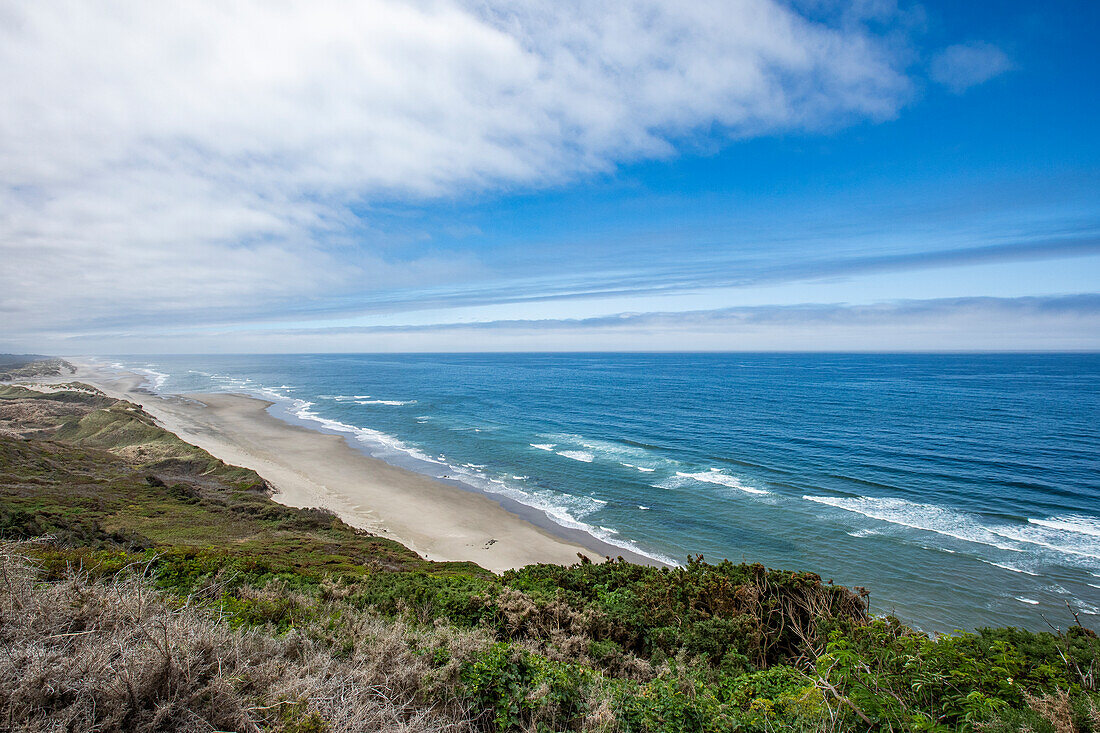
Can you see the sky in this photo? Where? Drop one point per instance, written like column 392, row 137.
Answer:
column 372, row 175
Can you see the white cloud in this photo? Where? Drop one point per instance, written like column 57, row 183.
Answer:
column 966, row 65
column 202, row 157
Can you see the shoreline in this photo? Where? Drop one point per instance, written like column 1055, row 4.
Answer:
column 439, row 519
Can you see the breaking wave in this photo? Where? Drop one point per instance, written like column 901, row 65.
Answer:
column 1069, row 538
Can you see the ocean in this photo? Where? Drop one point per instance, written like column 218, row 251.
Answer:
column 963, row 490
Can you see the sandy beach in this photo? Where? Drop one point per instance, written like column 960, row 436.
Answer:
column 308, row 468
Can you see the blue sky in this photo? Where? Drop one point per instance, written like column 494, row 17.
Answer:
column 450, row 176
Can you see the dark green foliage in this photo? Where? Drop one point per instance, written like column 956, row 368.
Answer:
column 899, row 677
column 297, row 718
column 517, row 689
column 19, row 524
column 461, row 599
column 723, row 611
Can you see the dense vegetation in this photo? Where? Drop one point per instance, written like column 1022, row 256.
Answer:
column 174, row 594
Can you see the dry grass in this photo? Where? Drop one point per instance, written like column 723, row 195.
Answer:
column 563, row 633
column 1056, row 708
column 81, row 655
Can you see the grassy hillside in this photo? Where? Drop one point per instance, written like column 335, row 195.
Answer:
column 31, row 366
column 174, row 594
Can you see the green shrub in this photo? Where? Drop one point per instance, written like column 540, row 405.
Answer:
column 516, row 689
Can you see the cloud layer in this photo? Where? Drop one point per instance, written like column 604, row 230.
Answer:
column 1065, row 323
column 214, row 160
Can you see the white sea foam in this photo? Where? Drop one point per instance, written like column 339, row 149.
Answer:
column 366, row 436
column 924, row 517
column 363, row 399
column 1068, row 538
column 568, row 510
column 154, row 380
column 543, row 446
column 716, row 476
column 1013, row 568
column 863, row 533
column 632, row 456
column 1076, row 524
column 577, row 455
column 223, row 383
column 1029, row 601
column 1063, row 541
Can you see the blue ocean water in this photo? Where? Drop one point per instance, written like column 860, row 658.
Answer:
column 964, row 490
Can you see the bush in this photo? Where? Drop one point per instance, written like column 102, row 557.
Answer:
column 514, row 689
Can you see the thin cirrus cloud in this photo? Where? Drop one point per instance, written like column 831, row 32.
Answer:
column 159, row 159
column 965, row 65
column 943, row 324
column 687, row 275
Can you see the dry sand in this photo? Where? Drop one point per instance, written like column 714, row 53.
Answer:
column 314, row 469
